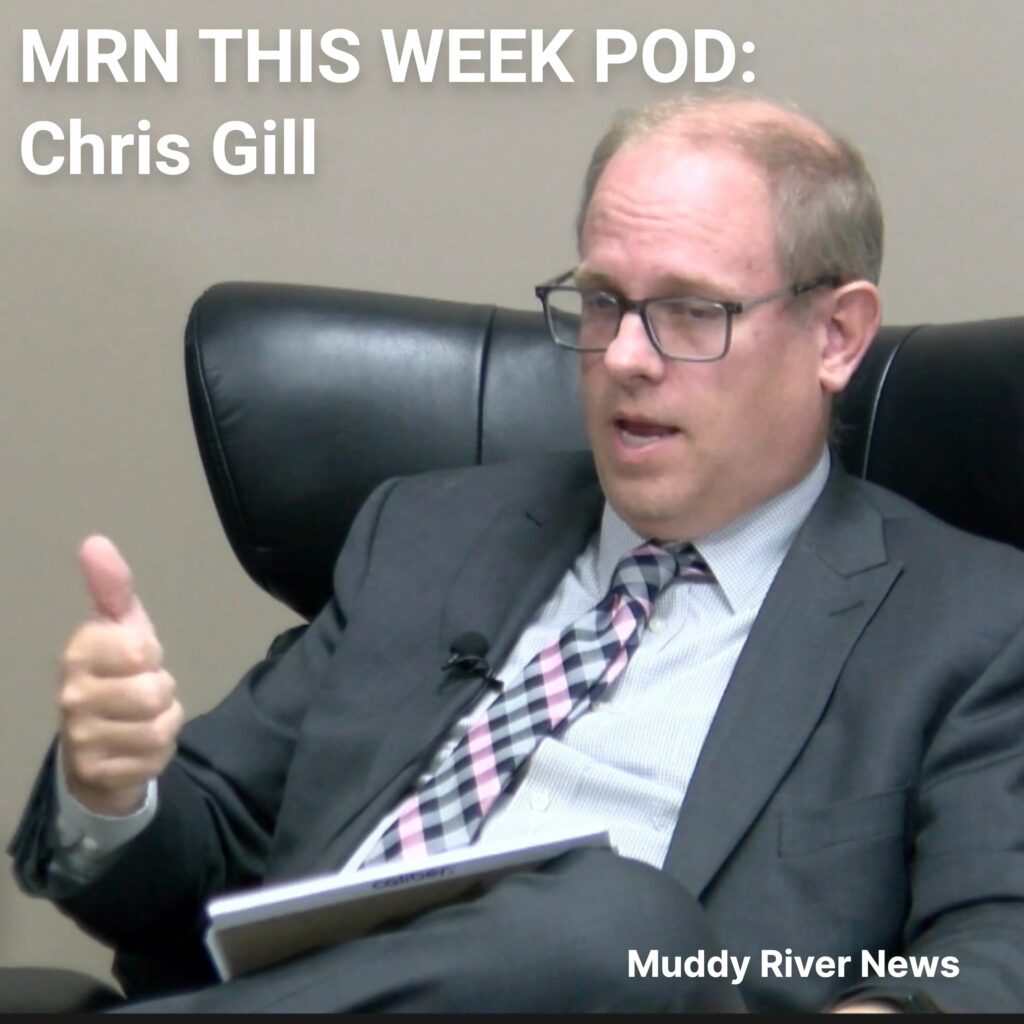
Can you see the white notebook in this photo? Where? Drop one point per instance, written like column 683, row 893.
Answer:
column 255, row 929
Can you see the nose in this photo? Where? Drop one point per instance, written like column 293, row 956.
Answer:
column 631, row 352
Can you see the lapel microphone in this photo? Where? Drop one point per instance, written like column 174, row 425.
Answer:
column 468, row 652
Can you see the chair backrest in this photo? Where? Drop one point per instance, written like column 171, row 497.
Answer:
column 304, row 399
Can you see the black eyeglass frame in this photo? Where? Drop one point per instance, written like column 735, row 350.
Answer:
column 731, row 308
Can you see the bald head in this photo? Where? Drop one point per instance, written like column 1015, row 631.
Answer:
column 828, row 217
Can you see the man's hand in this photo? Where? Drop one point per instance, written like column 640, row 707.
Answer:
column 119, row 717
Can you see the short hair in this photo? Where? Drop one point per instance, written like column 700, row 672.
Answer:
column 828, row 219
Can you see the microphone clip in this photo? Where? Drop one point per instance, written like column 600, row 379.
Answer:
column 468, row 652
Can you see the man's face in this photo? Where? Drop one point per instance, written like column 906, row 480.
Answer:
column 682, row 449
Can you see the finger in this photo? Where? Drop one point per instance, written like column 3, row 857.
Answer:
column 108, row 579
column 113, row 786
column 105, row 648
column 138, row 698
column 88, row 745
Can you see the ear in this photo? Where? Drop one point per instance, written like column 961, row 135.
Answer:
column 853, row 316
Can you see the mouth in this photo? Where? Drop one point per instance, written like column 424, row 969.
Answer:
column 638, row 434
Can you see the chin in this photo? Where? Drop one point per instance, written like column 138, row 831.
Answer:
column 648, row 510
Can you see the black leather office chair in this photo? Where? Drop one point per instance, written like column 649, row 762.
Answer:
column 305, row 398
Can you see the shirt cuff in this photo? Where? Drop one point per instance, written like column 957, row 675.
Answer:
column 87, row 840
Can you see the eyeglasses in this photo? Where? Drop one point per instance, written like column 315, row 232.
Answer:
column 681, row 327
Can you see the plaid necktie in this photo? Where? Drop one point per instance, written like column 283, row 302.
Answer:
column 559, row 684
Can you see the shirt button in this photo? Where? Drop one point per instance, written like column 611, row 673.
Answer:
column 540, row 801
column 656, row 625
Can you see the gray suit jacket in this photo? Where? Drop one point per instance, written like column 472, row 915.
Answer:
column 861, row 788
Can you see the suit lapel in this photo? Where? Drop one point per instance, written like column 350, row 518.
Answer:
column 827, row 589
column 517, row 557
column 513, row 570
column 506, row 575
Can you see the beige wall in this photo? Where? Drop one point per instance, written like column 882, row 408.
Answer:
column 455, row 191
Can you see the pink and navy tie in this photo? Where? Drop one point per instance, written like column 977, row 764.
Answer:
column 562, row 681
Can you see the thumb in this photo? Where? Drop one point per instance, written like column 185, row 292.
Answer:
column 109, row 582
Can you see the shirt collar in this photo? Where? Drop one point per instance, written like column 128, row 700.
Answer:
column 745, row 555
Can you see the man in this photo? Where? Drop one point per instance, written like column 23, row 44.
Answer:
column 814, row 727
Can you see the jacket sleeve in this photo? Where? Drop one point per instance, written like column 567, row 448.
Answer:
column 965, row 925
column 218, row 799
